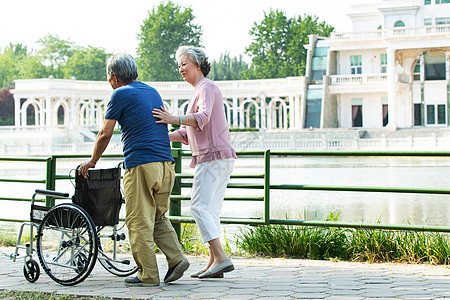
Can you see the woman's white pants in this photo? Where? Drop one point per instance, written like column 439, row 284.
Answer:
column 208, row 190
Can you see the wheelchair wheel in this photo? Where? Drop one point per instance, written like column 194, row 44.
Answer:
column 67, row 244
column 115, row 250
column 31, row 270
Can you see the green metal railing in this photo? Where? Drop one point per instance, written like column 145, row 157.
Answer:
column 265, row 185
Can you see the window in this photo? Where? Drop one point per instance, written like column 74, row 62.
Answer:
column 427, row 2
column 441, row 114
column 397, row 24
column 442, row 1
column 417, row 114
column 428, row 22
column 434, row 66
column 436, row 114
column 383, row 63
column 430, row 114
column 416, row 72
column 60, row 115
column 385, row 115
column 356, row 64
column 357, row 120
column 442, row 21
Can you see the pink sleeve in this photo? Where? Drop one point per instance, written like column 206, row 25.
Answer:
column 183, row 133
column 205, row 105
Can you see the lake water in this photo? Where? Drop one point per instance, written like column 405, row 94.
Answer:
column 405, row 172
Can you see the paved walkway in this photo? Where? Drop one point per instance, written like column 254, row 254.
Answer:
column 257, row 279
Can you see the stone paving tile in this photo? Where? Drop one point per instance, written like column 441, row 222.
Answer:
column 343, row 298
column 345, row 292
column 309, row 296
column 256, row 278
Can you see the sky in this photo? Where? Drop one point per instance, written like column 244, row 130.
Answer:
column 114, row 25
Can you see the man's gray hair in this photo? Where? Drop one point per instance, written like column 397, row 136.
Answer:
column 195, row 54
column 123, row 66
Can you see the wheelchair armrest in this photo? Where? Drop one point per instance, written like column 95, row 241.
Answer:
column 51, row 193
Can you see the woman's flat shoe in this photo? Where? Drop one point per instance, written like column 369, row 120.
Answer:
column 226, row 266
column 196, row 274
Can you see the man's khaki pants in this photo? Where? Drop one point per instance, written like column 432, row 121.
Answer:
column 147, row 191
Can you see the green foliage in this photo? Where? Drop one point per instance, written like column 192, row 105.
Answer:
column 55, row 53
column 301, row 29
column 10, row 240
column 227, row 68
column 20, row 295
column 277, row 48
column 191, row 241
column 87, row 64
column 17, row 63
column 345, row 244
column 165, row 29
column 294, row 241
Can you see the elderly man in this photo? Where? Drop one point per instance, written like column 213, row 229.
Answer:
column 149, row 171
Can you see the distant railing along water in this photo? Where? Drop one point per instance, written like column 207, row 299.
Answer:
column 431, row 143
column 263, row 184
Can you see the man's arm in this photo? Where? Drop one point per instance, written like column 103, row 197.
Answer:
column 102, row 141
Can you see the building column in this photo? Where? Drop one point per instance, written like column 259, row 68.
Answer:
column 297, row 115
column 392, row 83
column 72, row 122
column 46, row 118
column 174, row 108
column 291, row 109
column 262, row 101
column 91, row 113
column 17, row 123
column 235, row 110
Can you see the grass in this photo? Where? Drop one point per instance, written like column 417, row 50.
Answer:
column 191, row 241
column 21, row 295
column 345, row 244
column 10, row 240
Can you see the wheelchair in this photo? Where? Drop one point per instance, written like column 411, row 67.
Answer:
column 71, row 237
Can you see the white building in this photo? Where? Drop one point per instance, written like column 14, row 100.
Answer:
column 392, row 70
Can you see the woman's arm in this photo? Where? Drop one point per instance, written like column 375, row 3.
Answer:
column 175, row 136
column 167, row 118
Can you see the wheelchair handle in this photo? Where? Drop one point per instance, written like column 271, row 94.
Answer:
column 52, row 193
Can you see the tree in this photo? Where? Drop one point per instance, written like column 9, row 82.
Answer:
column 301, row 29
column 227, row 68
column 55, row 53
column 269, row 47
column 87, row 64
column 17, row 63
column 7, row 68
column 164, row 30
column 277, row 49
column 6, row 108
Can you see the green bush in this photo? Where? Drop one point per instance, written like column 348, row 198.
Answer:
column 371, row 245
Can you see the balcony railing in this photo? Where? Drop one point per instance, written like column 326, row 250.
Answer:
column 393, row 32
column 359, row 79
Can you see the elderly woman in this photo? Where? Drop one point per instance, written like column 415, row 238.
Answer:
column 204, row 128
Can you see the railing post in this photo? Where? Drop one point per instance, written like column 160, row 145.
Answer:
column 175, row 205
column 267, row 187
column 50, row 180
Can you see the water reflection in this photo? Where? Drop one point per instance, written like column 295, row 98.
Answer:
column 405, row 172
